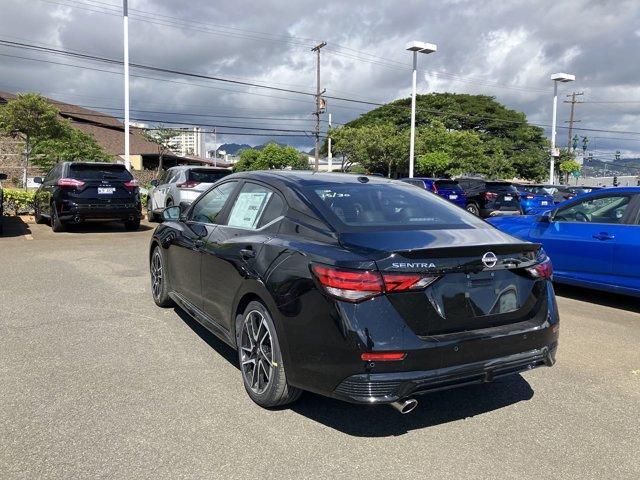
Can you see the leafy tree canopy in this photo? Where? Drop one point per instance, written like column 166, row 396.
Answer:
column 271, row 157
column 477, row 133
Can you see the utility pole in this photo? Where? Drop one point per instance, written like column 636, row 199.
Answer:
column 319, row 103
column 125, row 24
column 571, row 121
column 329, row 153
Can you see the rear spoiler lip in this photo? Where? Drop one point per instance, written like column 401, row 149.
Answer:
column 469, row 250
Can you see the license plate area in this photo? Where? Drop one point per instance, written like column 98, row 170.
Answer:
column 453, row 197
column 106, row 190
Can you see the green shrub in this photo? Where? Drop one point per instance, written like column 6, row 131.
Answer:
column 18, row 201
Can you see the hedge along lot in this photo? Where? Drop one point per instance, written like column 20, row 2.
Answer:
column 18, row 201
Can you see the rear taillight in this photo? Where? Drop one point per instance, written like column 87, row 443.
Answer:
column 131, row 184
column 358, row 285
column 70, row 183
column 543, row 269
column 434, row 188
column 383, row 356
column 401, row 282
column 188, row 184
column 490, row 195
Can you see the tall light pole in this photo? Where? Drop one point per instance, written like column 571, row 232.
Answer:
column 125, row 24
column 564, row 78
column 329, row 153
column 416, row 47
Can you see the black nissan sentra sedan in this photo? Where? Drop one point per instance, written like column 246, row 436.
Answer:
column 355, row 287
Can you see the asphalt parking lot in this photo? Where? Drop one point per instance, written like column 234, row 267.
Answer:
column 97, row 382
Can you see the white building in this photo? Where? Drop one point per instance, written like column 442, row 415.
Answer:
column 189, row 142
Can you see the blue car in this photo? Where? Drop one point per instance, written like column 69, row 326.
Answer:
column 446, row 188
column 532, row 201
column 593, row 240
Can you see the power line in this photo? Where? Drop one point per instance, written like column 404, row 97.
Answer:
column 207, row 77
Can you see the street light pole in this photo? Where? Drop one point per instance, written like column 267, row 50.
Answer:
column 556, row 77
column 415, row 47
column 412, row 140
column 125, row 24
column 553, row 133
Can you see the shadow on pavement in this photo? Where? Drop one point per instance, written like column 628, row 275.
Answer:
column 606, row 299
column 14, row 227
column 382, row 420
column 433, row 408
column 103, row 227
column 224, row 350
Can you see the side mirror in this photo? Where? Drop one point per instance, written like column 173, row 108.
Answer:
column 37, row 180
column 172, row 213
column 3, row 176
column 544, row 217
column 154, row 183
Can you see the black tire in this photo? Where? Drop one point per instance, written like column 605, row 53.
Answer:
column 57, row 225
column 152, row 217
column 38, row 217
column 473, row 208
column 132, row 225
column 159, row 284
column 267, row 390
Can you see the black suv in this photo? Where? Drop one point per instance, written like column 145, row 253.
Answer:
column 73, row 192
column 490, row 198
column 3, row 176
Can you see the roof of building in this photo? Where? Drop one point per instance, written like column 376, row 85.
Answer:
column 108, row 131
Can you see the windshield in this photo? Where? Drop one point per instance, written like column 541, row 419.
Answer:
column 389, row 206
column 501, row 187
column 99, row 171
column 205, row 175
column 447, row 184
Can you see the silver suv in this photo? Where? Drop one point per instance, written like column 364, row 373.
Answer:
column 180, row 186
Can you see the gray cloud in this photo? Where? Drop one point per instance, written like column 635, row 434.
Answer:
column 502, row 48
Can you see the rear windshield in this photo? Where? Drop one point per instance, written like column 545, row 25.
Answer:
column 389, row 206
column 501, row 187
column 452, row 184
column 99, row 171
column 204, row 175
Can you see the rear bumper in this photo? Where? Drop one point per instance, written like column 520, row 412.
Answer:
column 68, row 211
column 389, row 387
column 499, row 213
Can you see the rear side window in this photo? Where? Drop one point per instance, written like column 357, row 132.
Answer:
column 447, row 184
column 501, row 187
column 254, row 207
column 204, row 175
column 389, row 206
column 99, row 171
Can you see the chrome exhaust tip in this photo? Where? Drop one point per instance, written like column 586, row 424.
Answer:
column 405, row 406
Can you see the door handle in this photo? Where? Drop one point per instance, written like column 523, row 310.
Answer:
column 603, row 236
column 247, row 253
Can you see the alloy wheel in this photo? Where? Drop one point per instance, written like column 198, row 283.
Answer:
column 256, row 352
column 156, row 274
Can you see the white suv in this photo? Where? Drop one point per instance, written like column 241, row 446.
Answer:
column 181, row 186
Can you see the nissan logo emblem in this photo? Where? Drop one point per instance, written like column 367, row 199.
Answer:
column 489, row 259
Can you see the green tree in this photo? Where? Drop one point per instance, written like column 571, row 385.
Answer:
column 271, row 157
column 31, row 118
column 161, row 137
column 514, row 146
column 71, row 145
column 434, row 164
column 350, row 143
column 568, row 167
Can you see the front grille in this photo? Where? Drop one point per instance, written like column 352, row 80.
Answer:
column 356, row 388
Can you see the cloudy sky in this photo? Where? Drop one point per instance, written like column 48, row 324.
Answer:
column 504, row 48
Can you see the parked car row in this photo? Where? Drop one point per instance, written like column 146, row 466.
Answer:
column 492, row 198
